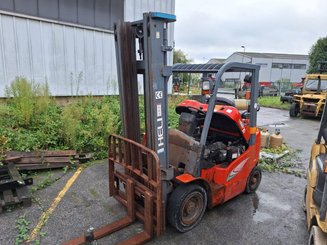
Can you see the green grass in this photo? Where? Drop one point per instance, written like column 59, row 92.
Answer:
column 273, row 102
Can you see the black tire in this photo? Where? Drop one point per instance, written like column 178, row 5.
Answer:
column 254, row 180
column 186, row 207
column 294, row 110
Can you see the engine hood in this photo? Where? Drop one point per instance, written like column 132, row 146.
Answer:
column 226, row 119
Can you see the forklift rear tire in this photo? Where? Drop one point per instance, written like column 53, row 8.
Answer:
column 294, row 110
column 317, row 236
column 186, row 207
column 254, row 180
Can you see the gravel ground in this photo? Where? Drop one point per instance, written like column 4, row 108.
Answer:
column 273, row 215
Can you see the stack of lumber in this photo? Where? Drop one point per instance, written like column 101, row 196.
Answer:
column 42, row 159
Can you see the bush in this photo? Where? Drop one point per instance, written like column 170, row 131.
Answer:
column 173, row 117
column 28, row 100
column 87, row 124
column 30, row 120
column 3, row 148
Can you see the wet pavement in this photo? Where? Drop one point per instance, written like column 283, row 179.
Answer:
column 272, row 215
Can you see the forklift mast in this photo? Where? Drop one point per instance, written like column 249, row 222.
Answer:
column 141, row 49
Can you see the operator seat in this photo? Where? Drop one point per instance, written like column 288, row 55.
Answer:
column 184, row 150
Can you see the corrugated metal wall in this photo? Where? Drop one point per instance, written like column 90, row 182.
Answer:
column 134, row 10
column 94, row 13
column 74, row 60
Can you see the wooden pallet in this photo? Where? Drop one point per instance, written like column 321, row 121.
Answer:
column 10, row 197
column 13, row 188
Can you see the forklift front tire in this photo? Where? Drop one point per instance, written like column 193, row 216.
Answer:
column 294, row 110
column 186, row 207
column 254, row 180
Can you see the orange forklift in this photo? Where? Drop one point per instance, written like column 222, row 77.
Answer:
column 173, row 175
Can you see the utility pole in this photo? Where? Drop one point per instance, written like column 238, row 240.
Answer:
column 239, row 77
column 243, row 47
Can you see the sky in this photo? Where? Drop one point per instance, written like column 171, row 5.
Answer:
column 208, row 29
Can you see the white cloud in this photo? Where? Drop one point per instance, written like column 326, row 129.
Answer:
column 217, row 28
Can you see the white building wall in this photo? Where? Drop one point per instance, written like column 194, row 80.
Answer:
column 267, row 73
column 72, row 59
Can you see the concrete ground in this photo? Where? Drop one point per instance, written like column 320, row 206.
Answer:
column 273, row 215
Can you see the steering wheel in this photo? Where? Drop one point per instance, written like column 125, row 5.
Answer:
column 224, row 101
column 196, row 110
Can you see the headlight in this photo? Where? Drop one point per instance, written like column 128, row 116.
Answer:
column 205, row 85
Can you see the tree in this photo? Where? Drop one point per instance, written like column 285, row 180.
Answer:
column 180, row 57
column 318, row 52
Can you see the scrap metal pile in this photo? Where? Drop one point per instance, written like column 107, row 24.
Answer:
column 13, row 186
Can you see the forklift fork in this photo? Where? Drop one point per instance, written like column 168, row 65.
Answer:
column 134, row 181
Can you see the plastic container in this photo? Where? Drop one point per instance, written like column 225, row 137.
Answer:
column 242, row 104
column 265, row 135
column 276, row 140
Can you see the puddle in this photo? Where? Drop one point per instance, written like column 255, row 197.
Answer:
column 278, row 125
column 261, row 217
column 267, row 202
column 272, row 202
column 255, row 202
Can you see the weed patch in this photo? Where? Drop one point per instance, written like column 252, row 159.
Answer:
column 22, row 227
column 289, row 164
column 273, row 102
column 31, row 120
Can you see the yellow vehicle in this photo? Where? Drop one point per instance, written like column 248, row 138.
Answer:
column 312, row 99
column 316, row 190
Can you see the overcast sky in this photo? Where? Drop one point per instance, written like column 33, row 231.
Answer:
column 216, row 28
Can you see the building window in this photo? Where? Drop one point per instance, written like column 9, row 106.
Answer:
column 262, row 65
column 299, row 66
column 276, row 65
column 289, row 66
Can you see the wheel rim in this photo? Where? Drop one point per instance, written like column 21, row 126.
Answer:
column 192, row 208
column 254, row 180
